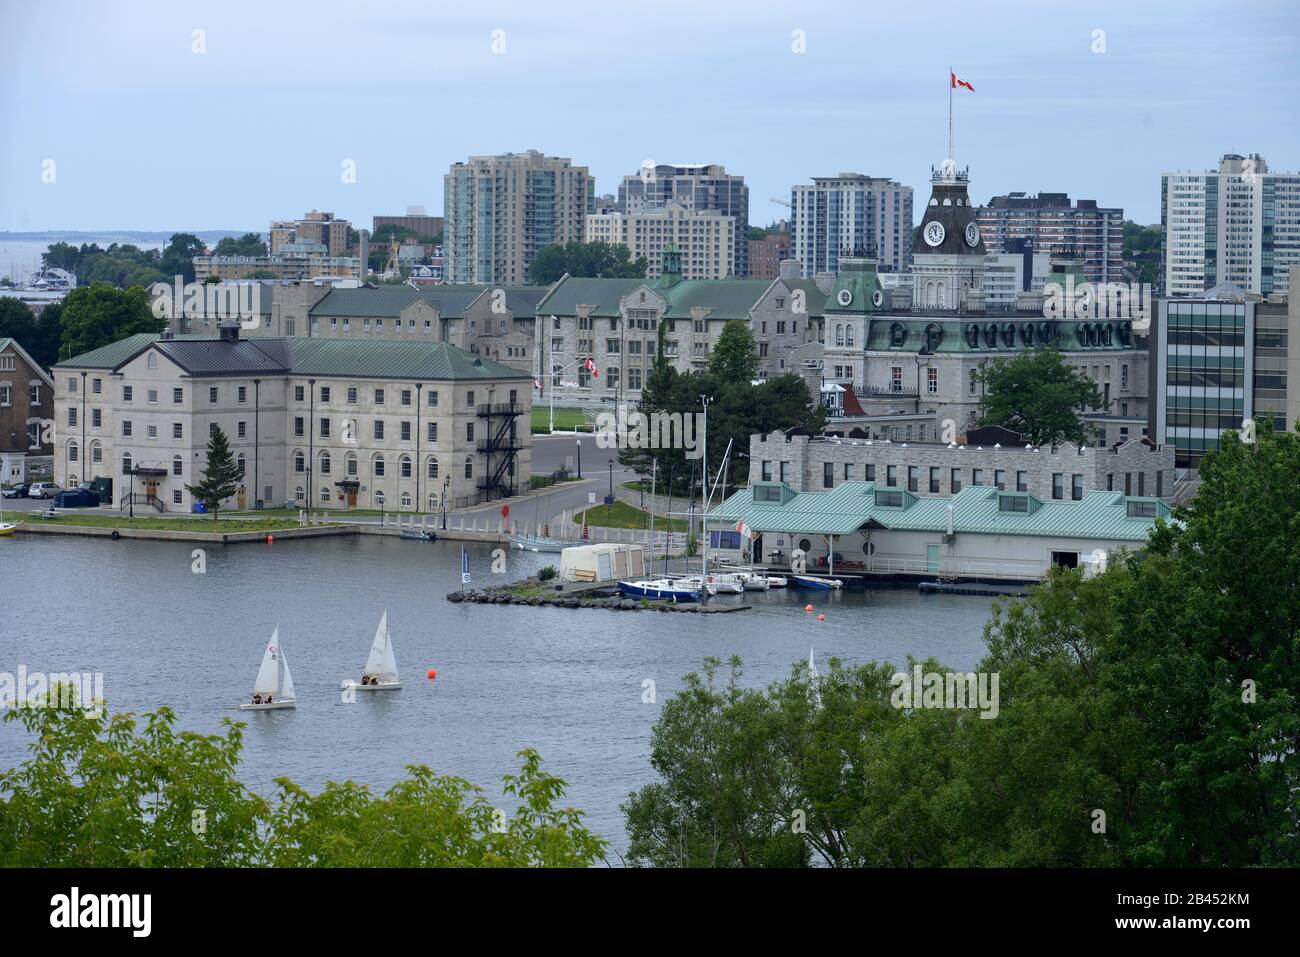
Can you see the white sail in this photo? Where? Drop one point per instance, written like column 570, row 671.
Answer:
column 382, row 661
column 268, row 676
column 815, row 692
column 286, row 679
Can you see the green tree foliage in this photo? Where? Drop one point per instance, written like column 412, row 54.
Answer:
column 38, row 333
column 178, row 256
column 221, row 476
column 588, row 260
column 100, row 791
column 1038, row 395
column 249, row 244
column 1162, row 693
column 735, row 357
column 1142, row 244
column 100, row 313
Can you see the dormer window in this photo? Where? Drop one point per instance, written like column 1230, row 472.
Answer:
column 1138, row 509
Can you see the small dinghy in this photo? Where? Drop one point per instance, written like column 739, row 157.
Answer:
column 381, row 667
column 776, row 581
column 417, row 535
column 273, row 688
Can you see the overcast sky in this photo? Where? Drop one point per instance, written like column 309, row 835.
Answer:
column 144, row 133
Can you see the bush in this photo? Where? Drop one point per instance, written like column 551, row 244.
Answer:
column 547, row 573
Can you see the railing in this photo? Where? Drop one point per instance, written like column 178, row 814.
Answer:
column 500, row 408
column 948, row 567
column 137, row 498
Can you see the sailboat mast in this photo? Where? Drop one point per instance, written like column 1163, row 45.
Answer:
column 704, row 515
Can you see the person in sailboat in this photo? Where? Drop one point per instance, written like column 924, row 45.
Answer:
column 268, row 697
column 257, row 699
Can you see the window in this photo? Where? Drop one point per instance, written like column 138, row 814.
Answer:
column 406, row 430
column 891, row 475
column 212, row 395
column 1058, row 485
column 433, row 433
column 977, row 477
column 152, row 396
column 954, row 480
column 299, row 462
column 828, row 475
column 352, row 395
column 379, row 397
column 932, row 380
column 298, row 397
column 96, row 452
column 893, row 499
column 1022, row 481
column 178, row 465
column 72, row 384
column 433, row 397
column 324, row 428
column 379, row 429
column 178, row 430
column 469, row 431
column 212, row 429
column 241, row 394
column 72, row 451
column 1000, row 479
column 469, row 397
column 176, row 496
column 299, row 425
column 126, row 428
column 350, row 464
column 127, row 393
column 72, row 415
column 1142, row 510
column 96, row 417
column 405, row 466
column 1013, row 503
column 870, row 472
column 126, row 463
column 934, row 479
column 151, row 361
column 378, row 466
column 896, row 379
column 1076, row 487
column 241, row 429
column 765, row 471
column 972, row 382
column 151, row 432
column 433, row 468
column 324, row 393
column 97, row 386
column 913, row 479
column 178, row 396
column 324, row 463
column 406, row 397
column 469, row 468
column 324, row 493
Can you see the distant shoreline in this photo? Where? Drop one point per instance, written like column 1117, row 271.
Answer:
column 116, row 235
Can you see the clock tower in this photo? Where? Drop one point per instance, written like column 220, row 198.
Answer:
column 948, row 261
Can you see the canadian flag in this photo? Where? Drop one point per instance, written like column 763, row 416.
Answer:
column 591, row 367
column 744, row 529
column 959, row 82
column 536, row 384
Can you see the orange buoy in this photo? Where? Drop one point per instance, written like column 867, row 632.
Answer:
column 821, row 617
column 807, row 608
column 432, row 674
column 270, row 539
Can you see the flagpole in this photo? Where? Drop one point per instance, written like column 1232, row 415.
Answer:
column 950, row 155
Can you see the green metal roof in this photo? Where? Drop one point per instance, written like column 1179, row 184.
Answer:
column 724, row 298
column 569, row 293
column 115, row 353
column 851, row 505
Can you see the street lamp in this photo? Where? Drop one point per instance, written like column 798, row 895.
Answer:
column 446, row 482
column 578, row 442
column 611, row 489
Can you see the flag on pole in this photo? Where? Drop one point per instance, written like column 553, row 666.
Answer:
column 536, row 384
column 959, row 83
column 464, row 566
column 591, row 367
column 744, row 529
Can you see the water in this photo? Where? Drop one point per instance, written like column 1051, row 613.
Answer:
column 566, row 682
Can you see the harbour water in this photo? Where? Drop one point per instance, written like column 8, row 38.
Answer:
column 568, row 683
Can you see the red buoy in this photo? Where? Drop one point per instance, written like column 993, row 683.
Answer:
column 821, row 617
column 432, row 674
column 270, row 539
column 807, row 608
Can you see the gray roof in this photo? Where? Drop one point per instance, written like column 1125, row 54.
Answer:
column 450, row 299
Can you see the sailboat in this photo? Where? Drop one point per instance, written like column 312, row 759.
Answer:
column 381, row 667
column 813, row 680
column 274, row 685
column 6, row 528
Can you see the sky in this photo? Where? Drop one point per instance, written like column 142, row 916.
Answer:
column 121, row 116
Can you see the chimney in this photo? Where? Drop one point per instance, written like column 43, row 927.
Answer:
column 789, row 270
column 229, row 331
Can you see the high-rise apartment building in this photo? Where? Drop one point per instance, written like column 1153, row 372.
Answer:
column 1090, row 234
column 704, row 187
column 500, row 211
column 1239, row 224
column 290, row 237
column 851, row 215
column 706, row 239
column 766, row 254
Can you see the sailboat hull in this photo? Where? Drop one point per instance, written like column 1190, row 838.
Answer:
column 273, row 706
column 382, row 686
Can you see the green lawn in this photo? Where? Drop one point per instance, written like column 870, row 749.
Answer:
column 156, row 523
column 565, row 419
column 622, row 515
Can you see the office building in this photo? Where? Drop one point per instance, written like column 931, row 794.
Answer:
column 1090, row 234
column 851, row 215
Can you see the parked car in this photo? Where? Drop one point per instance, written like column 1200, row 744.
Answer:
column 16, row 491
column 43, row 490
column 76, row 498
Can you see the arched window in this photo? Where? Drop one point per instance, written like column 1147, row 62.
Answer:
column 839, row 334
column 324, row 463
column 469, row 468
column 240, row 462
column 433, row 501
column 433, row 467
column 351, row 463
column 72, row 450
column 377, row 466
column 406, row 500
column 96, row 452
column 299, row 495
column 405, row 466
column 941, row 294
column 324, row 493
column 126, row 463
column 299, row 462
column 848, row 335
column 178, row 465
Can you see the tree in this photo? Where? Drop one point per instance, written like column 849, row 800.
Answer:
column 178, row 256
column 1038, row 395
column 221, row 476
column 249, row 244
column 100, row 791
column 597, row 260
column 98, row 314
column 735, row 357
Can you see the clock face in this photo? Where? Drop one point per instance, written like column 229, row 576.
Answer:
column 972, row 234
column 934, row 233
column 845, row 297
